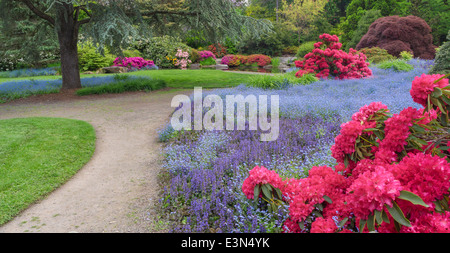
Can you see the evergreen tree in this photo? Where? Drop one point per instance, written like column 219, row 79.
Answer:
column 113, row 23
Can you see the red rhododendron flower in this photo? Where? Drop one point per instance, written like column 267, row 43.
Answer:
column 424, row 85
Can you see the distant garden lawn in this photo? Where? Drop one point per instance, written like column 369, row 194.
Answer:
column 18, row 87
column 37, row 155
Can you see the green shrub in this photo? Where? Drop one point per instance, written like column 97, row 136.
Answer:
column 305, row 48
column 124, row 84
column 208, row 61
column 397, row 65
column 89, row 59
column 194, row 56
column 129, row 53
column 290, row 50
column 377, row 55
column 158, row 49
column 405, row 55
column 363, row 26
column 442, row 59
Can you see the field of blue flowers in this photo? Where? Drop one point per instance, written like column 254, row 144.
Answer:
column 204, row 170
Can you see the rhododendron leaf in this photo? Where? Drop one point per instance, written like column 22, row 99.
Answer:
column 444, row 120
column 342, row 222
column 378, row 217
column 411, row 197
column 362, row 224
column 446, row 100
column 256, row 192
column 327, row 199
column 443, row 77
column 436, row 102
column 398, row 215
column 371, row 222
column 266, row 189
column 279, row 194
column 444, row 204
column 385, row 217
column 437, row 92
column 418, row 128
column 301, row 225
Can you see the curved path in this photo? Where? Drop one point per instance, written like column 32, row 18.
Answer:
column 116, row 190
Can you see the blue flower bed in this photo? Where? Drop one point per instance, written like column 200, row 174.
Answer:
column 25, row 87
column 29, row 72
column 205, row 170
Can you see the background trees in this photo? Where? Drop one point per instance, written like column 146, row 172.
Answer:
column 115, row 24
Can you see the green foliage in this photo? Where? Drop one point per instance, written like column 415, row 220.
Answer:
column 377, row 55
column 357, row 8
column 437, row 15
column 194, row 56
column 124, row 84
column 208, row 61
column 405, row 55
column 158, row 49
column 397, row 65
column 90, row 59
column 280, row 81
column 131, row 53
column 305, row 48
column 442, row 59
column 363, row 26
column 271, row 44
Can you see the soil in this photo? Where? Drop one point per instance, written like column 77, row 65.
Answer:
column 117, row 190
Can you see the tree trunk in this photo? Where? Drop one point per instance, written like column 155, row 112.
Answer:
column 68, row 40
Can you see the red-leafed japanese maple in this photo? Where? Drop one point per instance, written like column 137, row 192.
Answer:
column 328, row 59
column 397, row 34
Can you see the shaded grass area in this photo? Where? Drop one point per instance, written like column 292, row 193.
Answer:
column 37, row 155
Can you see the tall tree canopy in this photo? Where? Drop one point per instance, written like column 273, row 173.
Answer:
column 115, row 23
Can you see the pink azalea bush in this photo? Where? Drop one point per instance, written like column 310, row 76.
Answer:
column 206, row 54
column 133, row 62
column 327, row 59
column 393, row 172
column 182, row 59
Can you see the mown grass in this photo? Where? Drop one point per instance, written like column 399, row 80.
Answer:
column 188, row 79
column 37, row 155
column 124, row 85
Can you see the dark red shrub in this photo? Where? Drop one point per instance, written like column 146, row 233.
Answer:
column 397, row 34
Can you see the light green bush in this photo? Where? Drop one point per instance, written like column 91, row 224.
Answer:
column 89, row 59
column 305, row 48
column 397, row 65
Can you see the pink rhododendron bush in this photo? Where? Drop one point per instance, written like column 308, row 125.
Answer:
column 133, row 62
column 392, row 172
column 327, row 59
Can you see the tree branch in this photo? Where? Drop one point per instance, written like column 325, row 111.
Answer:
column 38, row 12
column 181, row 13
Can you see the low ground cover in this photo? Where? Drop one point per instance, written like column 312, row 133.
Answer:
column 37, row 155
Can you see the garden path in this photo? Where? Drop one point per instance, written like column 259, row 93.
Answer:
column 116, row 190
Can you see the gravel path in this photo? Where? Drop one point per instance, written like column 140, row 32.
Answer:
column 116, row 190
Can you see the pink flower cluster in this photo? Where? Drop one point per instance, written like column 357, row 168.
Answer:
column 133, row 62
column 380, row 160
column 182, row 59
column 206, row 54
column 424, row 85
column 327, row 59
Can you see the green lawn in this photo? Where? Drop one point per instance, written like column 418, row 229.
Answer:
column 37, row 155
column 177, row 78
